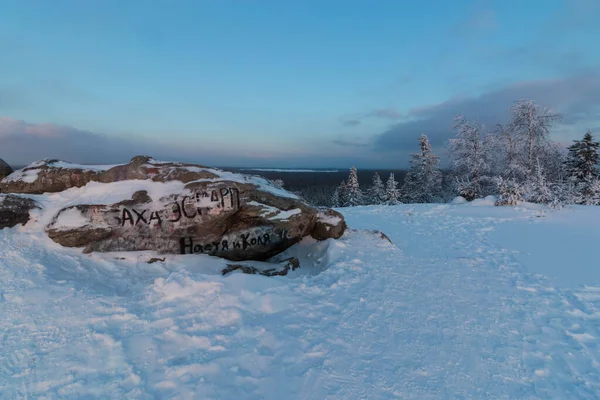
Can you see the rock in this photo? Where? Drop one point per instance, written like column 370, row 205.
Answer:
column 234, row 216
column 47, row 176
column 266, row 269
column 50, row 176
column 329, row 224
column 5, row 169
column 15, row 210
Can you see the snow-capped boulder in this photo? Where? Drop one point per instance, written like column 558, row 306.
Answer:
column 329, row 224
column 48, row 176
column 51, row 176
column 5, row 169
column 234, row 216
column 14, row 210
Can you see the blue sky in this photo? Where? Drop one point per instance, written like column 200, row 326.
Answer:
column 283, row 83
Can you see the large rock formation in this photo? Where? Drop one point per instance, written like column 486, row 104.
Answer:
column 234, row 216
column 5, row 169
column 14, row 210
column 51, row 176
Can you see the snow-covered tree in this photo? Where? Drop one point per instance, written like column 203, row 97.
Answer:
column 392, row 193
column 340, row 195
column 423, row 183
column 537, row 189
column 582, row 161
column 531, row 123
column 510, row 191
column 505, row 154
column 336, row 200
column 469, row 158
column 592, row 192
column 354, row 195
column 377, row 191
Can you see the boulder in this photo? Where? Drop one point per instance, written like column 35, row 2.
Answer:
column 329, row 224
column 47, row 176
column 5, row 169
column 234, row 216
column 51, row 176
column 15, row 210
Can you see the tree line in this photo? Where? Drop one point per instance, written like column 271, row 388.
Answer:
column 516, row 162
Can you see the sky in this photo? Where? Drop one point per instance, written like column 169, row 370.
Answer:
column 282, row 83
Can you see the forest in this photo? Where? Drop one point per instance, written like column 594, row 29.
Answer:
column 516, row 161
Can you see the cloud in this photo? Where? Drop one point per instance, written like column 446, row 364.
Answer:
column 349, row 143
column 353, row 120
column 577, row 97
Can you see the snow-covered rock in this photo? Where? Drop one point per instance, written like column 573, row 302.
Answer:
column 170, row 208
column 14, row 210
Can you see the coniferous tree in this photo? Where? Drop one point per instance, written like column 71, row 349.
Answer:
column 392, row 193
column 354, row 195
column 377, row 193
column 335, row 199
column 582, row 161
column 423, row 183
column 342, row 194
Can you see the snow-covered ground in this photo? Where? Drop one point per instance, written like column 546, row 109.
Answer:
column 472, row 302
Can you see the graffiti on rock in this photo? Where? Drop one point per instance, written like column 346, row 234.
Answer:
column 201, row 203
column 264, row 236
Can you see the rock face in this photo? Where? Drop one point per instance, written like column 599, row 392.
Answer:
column 14, row 210
column 5, row 169
column 51, row 176
column 234, row 216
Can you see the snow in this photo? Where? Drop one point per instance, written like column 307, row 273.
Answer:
column 329, row 219
column 470, row 303
column 71, row 218
column 274, row 213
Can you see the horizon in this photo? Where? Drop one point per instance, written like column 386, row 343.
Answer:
column 284, row 85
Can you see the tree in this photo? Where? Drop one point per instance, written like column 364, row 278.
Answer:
column 391, row 191
column 354, row 195
column 511, row 191
column 531, row 123
column 423, row 182
column 336, row 199
column 537, row 189
column 469, row 158
column 340, row 196
column 582, row 161
column 377, row 193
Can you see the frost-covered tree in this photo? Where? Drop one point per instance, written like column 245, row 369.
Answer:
column 505, row 154
column 354, row 195
column 510, row 191
column 531, row 123
column 538, row 189
column 469, row 158
column 392, row 194
column 582, row 160
column 423, row 183
column 592, row 192
column 336, row 200
column 377, row 191
column 340, row 195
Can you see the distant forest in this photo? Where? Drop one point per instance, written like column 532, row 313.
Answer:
column 318, row 188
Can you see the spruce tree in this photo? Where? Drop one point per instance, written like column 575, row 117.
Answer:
column 582, row 161
column 391, row 191
column 354, row 195
column 423, row 183
column 342, row 195
column 335, row 199
column 377, row 193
